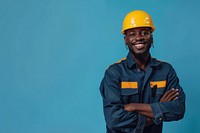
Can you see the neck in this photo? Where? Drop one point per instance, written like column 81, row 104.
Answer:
column 141, row 60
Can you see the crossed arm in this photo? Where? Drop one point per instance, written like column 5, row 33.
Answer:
column 146, row 110
column 118, row 116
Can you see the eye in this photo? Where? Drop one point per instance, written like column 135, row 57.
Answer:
column 145, row 33
column 132, row 34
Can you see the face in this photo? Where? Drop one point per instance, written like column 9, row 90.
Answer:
column 139, row 40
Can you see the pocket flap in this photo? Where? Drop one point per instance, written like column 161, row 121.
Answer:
column 160, row 91
column 129, row 91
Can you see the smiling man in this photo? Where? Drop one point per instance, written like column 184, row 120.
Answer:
column 139, row 92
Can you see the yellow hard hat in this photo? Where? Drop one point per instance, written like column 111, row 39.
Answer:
column 137, row 18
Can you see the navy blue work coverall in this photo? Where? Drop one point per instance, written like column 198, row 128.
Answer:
column 124, row 83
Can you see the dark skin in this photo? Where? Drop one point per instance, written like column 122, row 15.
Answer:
column 139, row 41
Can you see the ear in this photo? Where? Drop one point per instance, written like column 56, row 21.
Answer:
column 125, row 39
column 152, row 41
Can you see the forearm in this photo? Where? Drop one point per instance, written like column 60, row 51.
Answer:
column 141, row 108
column 116, row 117
column 169, row 111
column 146, row 109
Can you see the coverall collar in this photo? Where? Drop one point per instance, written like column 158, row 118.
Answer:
column 131, row 62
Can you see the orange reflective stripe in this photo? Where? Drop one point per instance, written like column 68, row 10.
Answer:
column 159, row 84
column 133, row 85
column 121, row 60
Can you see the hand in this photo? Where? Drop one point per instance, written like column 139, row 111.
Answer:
column 170, row 95
column 129, row 107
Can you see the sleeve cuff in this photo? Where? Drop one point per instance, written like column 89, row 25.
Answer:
column 158, row 115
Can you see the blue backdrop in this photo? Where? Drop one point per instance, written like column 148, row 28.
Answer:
column 53, row 54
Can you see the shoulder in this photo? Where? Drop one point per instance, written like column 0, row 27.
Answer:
column 163, row 66
column 162, row 63
column 118, row 64
column 117, row 68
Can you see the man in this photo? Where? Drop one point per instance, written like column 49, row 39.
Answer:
column 139, row 92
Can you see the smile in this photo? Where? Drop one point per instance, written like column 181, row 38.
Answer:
column 139, row 45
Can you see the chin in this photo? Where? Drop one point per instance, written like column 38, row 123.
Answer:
column 140, row 52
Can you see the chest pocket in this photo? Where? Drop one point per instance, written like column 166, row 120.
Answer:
column 129, row 92
column 157, row 89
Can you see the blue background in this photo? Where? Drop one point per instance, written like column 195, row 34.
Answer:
column 53, row 54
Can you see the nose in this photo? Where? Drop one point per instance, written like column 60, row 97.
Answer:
column 139, row 37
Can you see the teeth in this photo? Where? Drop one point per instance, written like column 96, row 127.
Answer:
column 139, row 46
